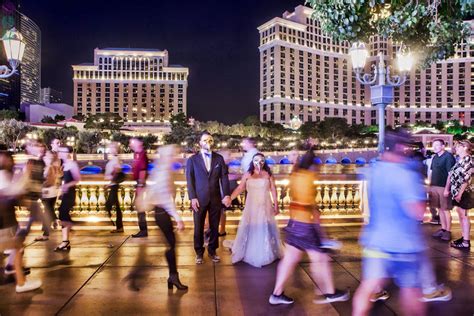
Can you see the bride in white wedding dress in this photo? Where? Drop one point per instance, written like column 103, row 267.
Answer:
column 258, row 238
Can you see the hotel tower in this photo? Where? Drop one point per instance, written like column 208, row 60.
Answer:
column 305, row 74
column 137, row 84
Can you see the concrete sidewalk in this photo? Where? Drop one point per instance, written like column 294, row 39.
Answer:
column 107, row 274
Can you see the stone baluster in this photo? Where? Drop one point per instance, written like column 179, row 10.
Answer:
column 186, row 200
column 319, row 197
column 120, row 198
column 286, row 198
column 349, row 199
column 92, row 200
column 326, row 198
column 178, row 199
column 334, row 198
column 279, row 196
column 102, row 200
column 357, row 199
column 77, row 202
column 84, row 199
column 127, row 199
column 342, row 198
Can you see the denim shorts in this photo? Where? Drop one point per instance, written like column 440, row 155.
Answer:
column 403, row 268
column 303, row 236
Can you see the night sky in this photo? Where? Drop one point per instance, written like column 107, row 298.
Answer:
column 217, row 40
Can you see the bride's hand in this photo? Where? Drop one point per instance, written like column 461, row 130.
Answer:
column 276, row 211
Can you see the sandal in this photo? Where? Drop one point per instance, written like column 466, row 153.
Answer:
column 65, row 247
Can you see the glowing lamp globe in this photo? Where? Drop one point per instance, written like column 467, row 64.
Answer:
column 359, row 55
column 14, row 47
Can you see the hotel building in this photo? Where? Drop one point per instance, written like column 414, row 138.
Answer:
column 137, row 84
column 305, row 74
column 30, row 67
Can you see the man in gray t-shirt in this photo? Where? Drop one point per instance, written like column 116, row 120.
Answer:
column 441, row 164
column 248, row 145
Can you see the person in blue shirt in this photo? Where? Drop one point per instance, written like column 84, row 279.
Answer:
column 393, row 243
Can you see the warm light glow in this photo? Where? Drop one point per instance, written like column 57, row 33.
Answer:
column 359, row 55
column 405, row 61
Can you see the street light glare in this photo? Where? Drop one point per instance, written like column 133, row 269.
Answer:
column 405, row 61
column 359, row 55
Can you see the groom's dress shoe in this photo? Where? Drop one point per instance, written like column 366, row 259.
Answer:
column 215, row 258
column 199, row 259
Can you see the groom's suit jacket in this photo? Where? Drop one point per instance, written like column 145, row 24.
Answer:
column 206, row 186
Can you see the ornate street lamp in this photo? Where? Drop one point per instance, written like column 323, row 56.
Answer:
column 14, row 49
column 382, row 83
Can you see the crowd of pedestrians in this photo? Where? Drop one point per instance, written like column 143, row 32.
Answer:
column 393, row 243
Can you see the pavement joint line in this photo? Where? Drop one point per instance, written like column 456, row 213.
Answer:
column 215, row 289
column 359, row 281
column 90, row 278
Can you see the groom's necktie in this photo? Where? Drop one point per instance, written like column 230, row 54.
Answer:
column 207, row 161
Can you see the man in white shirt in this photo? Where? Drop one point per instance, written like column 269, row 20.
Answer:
column 248, row 145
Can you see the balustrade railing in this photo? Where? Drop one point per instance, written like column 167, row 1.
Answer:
column 336, row 199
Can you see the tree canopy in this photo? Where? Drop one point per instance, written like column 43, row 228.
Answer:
column 104, row 121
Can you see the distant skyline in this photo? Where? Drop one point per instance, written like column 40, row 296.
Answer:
column 218, row 41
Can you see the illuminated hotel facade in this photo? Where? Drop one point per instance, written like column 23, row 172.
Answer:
column 305, row 74
column 137, row 84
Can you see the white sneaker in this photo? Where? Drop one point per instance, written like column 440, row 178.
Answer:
column 28, row 286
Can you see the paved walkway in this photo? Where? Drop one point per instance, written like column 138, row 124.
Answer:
column 95, row 279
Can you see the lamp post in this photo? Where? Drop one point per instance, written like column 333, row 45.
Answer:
column 14, row 49
column 382, row 82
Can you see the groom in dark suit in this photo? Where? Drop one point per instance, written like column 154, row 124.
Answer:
column 208, row 189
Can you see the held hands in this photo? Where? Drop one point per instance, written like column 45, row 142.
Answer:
column 457, row 198
column 227, row 201
column 195, row 205
column 446, row 193
column 276, row 210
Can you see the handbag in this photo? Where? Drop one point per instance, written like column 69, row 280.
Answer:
column 145, row 202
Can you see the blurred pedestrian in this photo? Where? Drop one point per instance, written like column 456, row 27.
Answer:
column 50, row 192
column 55, row 145
column 71, row 177
column 303, row 234
column 34, row 173
column 140, row 174
column 114, row 174
column 9, row 239
column 459, row 187
column 160, row 195
column 397, row 203
column 249, row 147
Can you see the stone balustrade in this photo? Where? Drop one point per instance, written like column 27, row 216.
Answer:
column 338, row 200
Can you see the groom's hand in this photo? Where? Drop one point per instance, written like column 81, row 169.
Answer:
column 195, row 205
column 227, row 201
